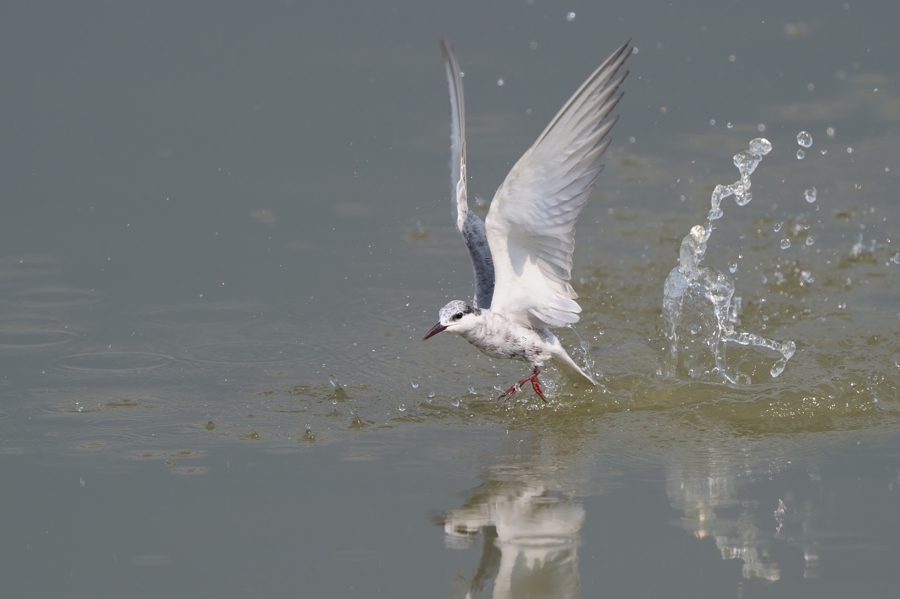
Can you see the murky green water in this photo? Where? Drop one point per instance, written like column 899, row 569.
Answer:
column 227, row 228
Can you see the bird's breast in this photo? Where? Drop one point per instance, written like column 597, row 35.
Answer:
column 501, row 338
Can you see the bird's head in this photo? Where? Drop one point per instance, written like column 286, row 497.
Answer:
column 456, row 317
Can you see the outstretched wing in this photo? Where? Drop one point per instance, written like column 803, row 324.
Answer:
column 468, row 223
column 531, row 223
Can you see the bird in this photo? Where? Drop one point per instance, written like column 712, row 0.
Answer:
column 522, row 252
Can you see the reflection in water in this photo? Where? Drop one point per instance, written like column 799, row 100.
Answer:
column 708, row 491
column 701, row 491
column 763, row 502
column 530, row 538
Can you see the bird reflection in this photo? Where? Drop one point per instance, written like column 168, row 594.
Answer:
column 528, row 514
column 529, row 539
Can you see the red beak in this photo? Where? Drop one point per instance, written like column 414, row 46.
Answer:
column 434, row 331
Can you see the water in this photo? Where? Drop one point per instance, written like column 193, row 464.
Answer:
column 226, row 230
column 699, row 306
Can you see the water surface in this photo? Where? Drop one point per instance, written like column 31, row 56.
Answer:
column 227, row 228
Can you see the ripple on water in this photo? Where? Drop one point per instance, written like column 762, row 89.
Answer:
column 204, row 314
column 113, row 362
column 52, row 296
column 109, row 403
column 28, row 267
column 106, row 422
column 161, row 454
column 286, row 449
column 187, row 470
column 24, row 334
column 242, row 353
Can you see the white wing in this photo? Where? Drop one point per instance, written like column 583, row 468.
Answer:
column 531, row 223
column 468, row 223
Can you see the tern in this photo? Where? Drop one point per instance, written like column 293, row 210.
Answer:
column 522, row 251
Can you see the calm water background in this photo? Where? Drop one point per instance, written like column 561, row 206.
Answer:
column 226, row 227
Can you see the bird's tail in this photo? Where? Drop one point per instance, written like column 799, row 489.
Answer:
column 564, row 362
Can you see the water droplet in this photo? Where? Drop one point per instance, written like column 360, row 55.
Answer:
column 823, row 151
column 778, row 368
column 801, row 154
column 785, row 244
column 804, row 139
column 777, row 226
column 401, row 407
column 849, row 150
column 533, row 45
column 500, row 82
column 887, row 169
column 570, row 17
column 333, row 380
column 830, row 131
column 761, row 127
column 810, row 240
column 414, row 384
column 712, row 121
column 732, row 58
column 732, row 267
column 760, row 146
column 472, row 391
column 810, row 195
column 729, row 125
column 742, row 198
column 431, row 395
column 454, row 402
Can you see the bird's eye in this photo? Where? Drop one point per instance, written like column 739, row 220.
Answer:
column 457, row 316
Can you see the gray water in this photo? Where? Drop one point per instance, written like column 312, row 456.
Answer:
column 226, row 228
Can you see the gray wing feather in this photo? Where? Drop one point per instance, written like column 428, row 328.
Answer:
column 470, row 226
column 531, row 223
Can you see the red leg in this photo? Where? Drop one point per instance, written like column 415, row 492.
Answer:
column 535, row 384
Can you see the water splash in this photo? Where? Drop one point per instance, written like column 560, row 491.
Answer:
column 699, row 306
column 587, row 358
